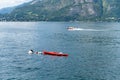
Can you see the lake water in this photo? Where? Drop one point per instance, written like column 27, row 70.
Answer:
column 94, row 51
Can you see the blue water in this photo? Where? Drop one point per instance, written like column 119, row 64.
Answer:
column 94, row 51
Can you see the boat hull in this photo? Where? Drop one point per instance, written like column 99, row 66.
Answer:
column 54, row 53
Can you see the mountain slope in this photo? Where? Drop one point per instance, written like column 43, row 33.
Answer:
column 6, row 10
column 66, row 10
column 111, row 8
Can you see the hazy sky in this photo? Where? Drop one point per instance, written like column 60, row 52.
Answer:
column 8, row 3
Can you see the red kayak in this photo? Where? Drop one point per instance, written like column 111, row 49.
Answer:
column 54, row 53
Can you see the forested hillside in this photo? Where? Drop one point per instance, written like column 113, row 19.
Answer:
column 66, row 10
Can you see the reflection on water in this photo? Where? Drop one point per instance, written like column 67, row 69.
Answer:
column 93, row 51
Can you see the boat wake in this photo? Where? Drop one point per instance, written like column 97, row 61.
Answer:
column 82, row 29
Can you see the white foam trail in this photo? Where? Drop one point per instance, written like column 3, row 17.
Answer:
column 81, row 29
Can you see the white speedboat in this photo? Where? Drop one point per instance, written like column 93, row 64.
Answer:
column 74, row 28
